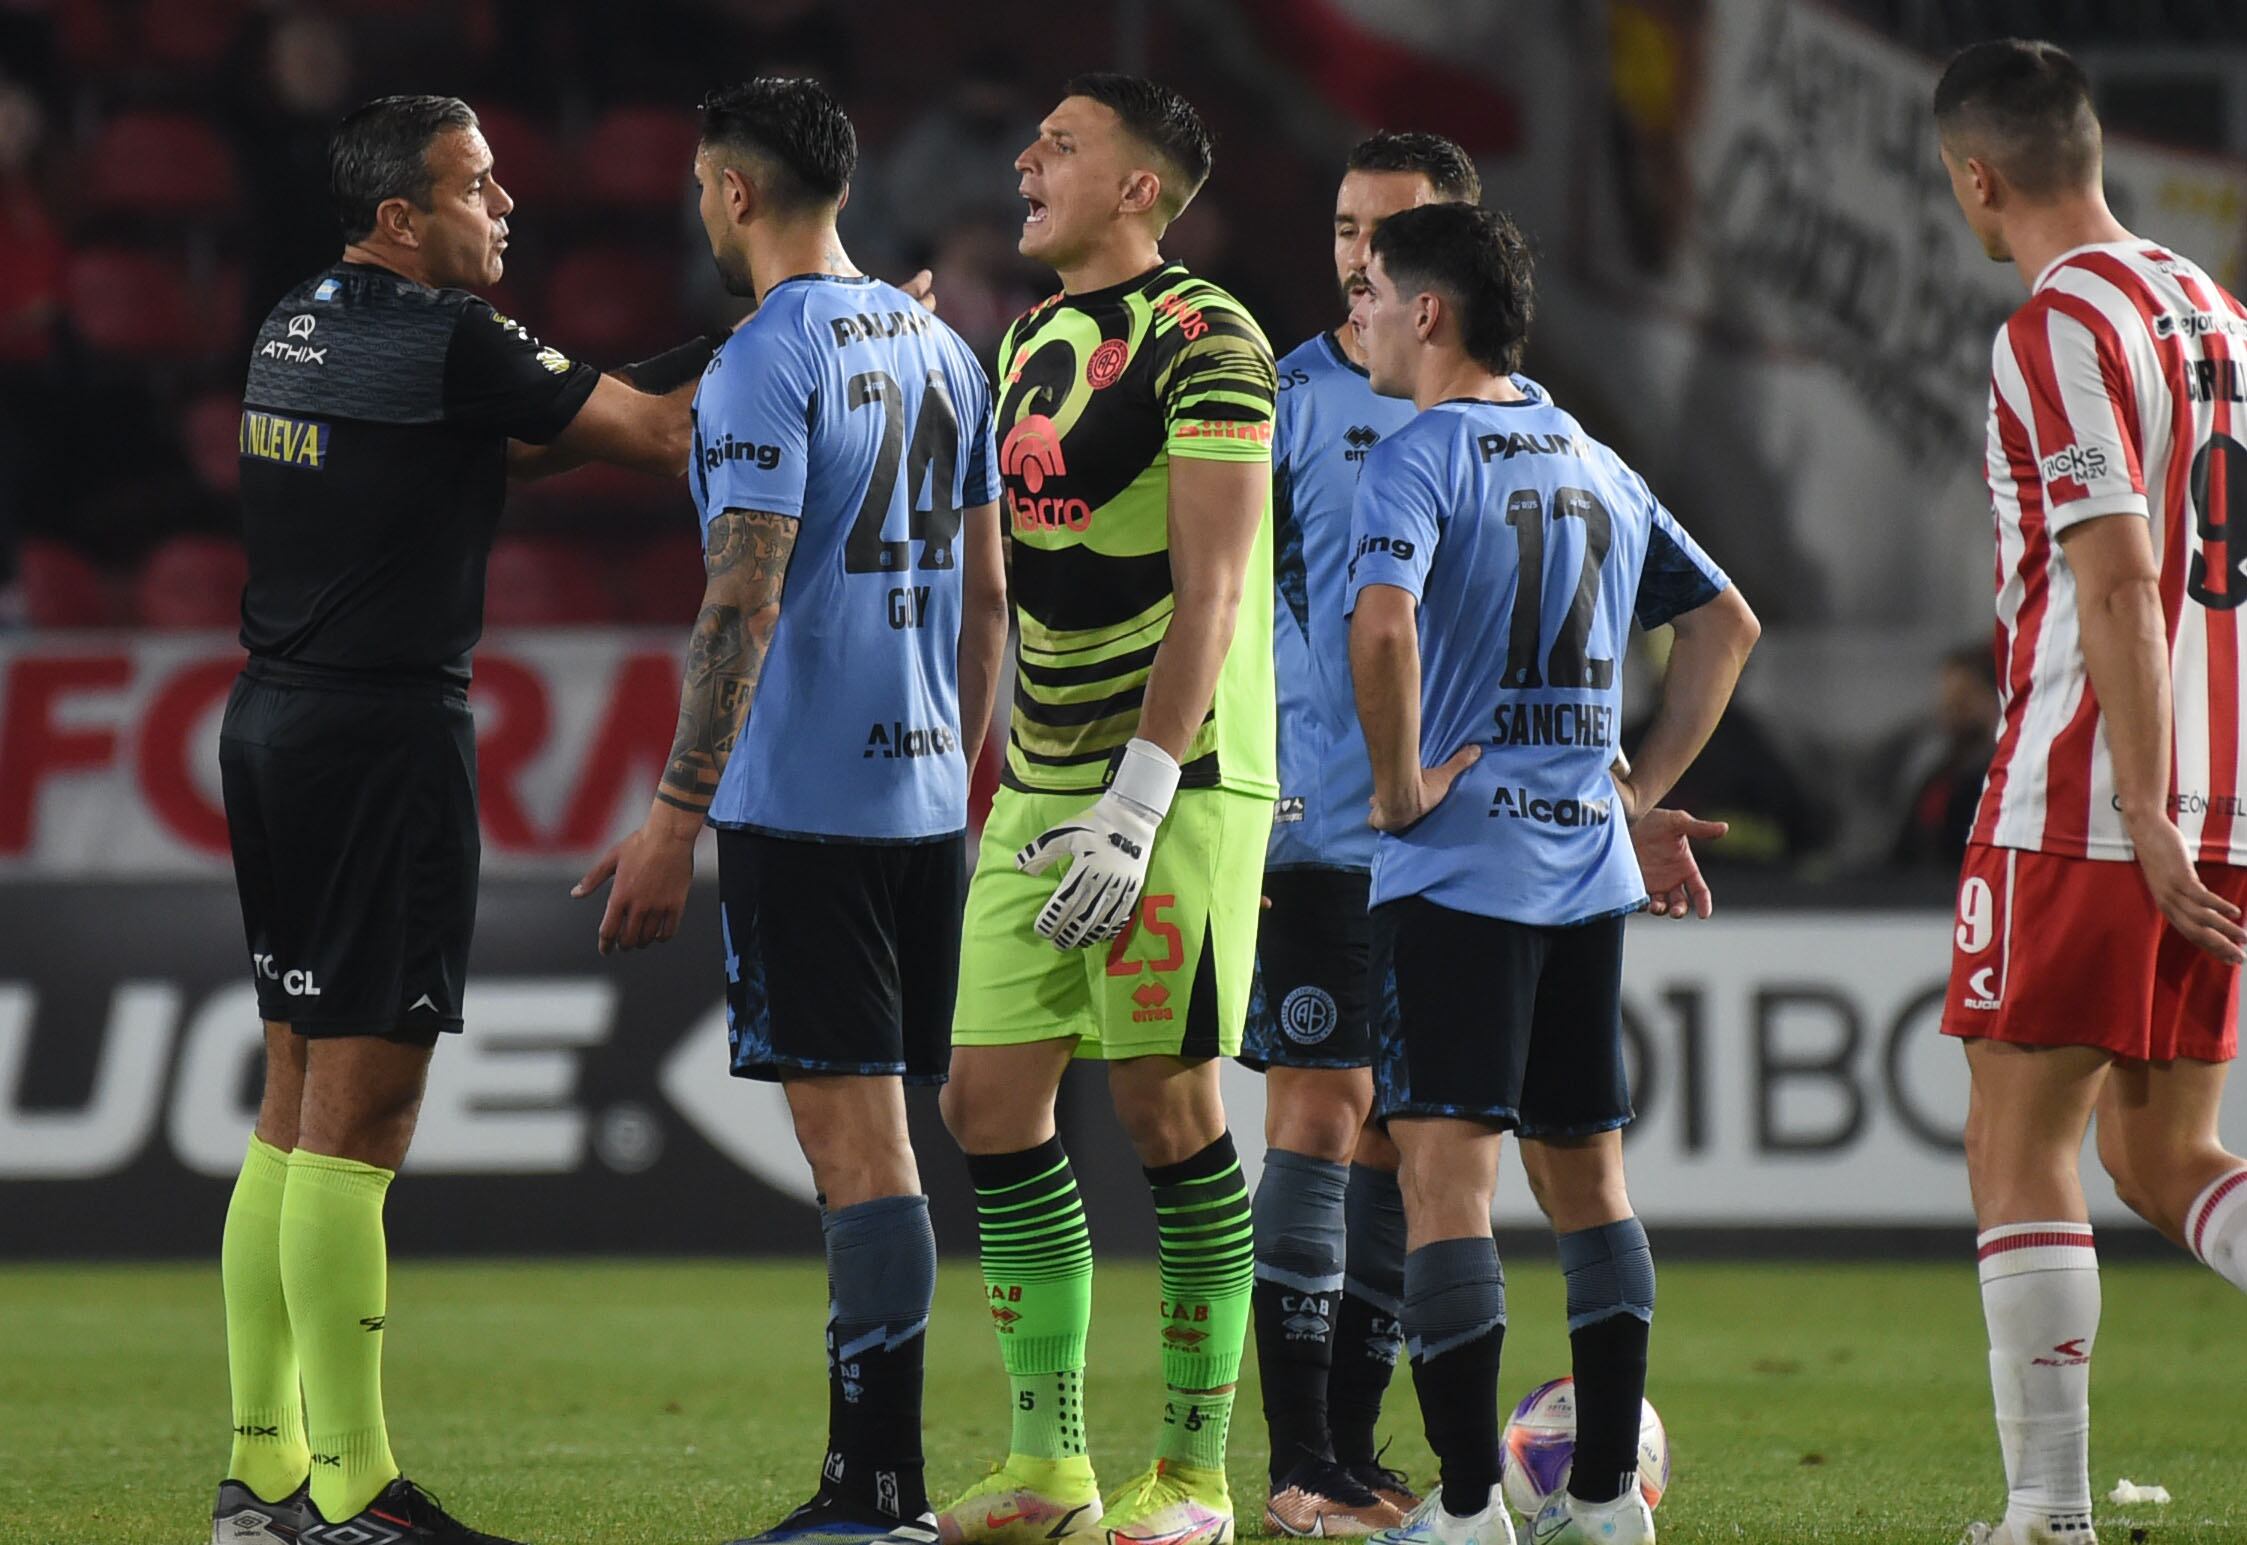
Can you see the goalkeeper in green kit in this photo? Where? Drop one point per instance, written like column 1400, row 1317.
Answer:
column 1114, row 906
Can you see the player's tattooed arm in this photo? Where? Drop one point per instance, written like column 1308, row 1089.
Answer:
column 745, row 564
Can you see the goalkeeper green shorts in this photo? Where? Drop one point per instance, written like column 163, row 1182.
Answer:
column 1175, row 983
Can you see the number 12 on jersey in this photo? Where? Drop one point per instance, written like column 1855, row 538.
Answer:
column 1570, row 663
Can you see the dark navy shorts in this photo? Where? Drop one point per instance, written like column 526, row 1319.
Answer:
column 1307, row 1007
column 841, row 957
column 1513, row 1024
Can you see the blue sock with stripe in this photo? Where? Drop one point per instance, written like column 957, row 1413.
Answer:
column 881, row 1273
column 1610, row 1274
column 1455, row 1330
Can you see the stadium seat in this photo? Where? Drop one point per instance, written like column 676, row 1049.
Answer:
column 210, row 433
column 62, row 588
column 191, row 582
column 191, row 35
column 524, row 156
column 610, row 305
column 537, row 582
column 122, row 301
column 638, row 158
column 162, row 163
column 662, row 582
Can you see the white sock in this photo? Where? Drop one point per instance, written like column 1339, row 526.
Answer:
column 2216, row 1228
column 2040, row 1297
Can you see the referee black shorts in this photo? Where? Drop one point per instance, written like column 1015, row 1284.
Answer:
column 351, row 809
column 841, row 957
column 1512, row 1024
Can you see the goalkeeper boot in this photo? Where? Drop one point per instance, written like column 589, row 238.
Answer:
column 1323, row 1500
column 1172, row 1504
column 1430, row 1524
column 402, row 1514
column 1024, row 1502
column 241, row 1517
column 1566, row 1520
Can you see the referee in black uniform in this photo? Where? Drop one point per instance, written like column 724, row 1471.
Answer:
column 387, row 408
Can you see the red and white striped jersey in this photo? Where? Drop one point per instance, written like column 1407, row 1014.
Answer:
column 2120, row 388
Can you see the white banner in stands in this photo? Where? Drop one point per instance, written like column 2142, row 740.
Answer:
column 1788, row 1071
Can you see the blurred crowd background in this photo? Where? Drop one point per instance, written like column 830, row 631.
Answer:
column 162, row 180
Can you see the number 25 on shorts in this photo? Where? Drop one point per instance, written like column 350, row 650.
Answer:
column 1149, row 920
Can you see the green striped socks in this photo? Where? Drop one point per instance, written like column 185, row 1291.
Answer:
column 1207, row 1250
column 1037, row 1273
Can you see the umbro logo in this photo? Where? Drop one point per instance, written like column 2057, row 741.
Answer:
column 1359, row 438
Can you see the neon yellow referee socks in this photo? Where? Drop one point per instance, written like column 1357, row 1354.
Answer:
column 334, row 1269
column 269, row 1453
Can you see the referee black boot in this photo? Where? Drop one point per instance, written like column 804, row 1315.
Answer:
column 403, row 1514
column 241, row 1517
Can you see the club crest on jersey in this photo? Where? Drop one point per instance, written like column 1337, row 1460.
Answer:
column 1107, row 364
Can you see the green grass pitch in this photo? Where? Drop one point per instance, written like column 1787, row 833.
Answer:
column 683, row 1404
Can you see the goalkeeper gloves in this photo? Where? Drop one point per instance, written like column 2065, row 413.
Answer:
column 1108, row 847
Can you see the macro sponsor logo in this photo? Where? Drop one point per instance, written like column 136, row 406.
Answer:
column 896, row 740
column 1520, row 805
column 289, row 442
column 716, row 453
column 1031, row 455
column 1359, row 440
column 2078, row 463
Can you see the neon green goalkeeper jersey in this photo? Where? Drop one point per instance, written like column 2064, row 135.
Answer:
column 1098, row 394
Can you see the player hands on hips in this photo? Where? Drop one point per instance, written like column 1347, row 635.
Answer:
column 1113, row 909
column 2117, row 591
column 840, row 870
column 1503, row 873
column 1330, row 1235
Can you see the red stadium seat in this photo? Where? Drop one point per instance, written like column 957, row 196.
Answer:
column 165, row 163
column 62, row 588
column 211, row 434
column 662, row 582
column 191, row 582
column 189, row 34
column 638, row 158
column 612, row 305
column 126, row 302
column 524, row 157
column 536, row 582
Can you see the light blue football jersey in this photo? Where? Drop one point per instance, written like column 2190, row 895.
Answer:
column 1530, row 547
column 1328, row 420
column 845, row 405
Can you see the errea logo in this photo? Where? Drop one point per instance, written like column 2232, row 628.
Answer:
column 2077, row 463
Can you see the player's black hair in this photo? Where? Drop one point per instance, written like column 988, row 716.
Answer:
column 795, row 127
column 381, row 151
column 1449, row 169
column 1160, row 119
column 2025, row 108
column 1475, row 258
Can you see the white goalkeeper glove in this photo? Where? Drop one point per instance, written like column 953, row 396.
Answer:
column 1107, row 847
